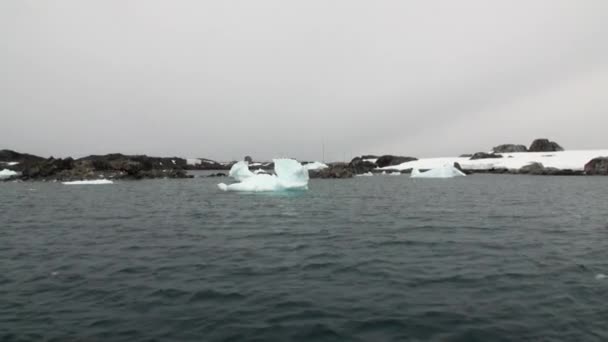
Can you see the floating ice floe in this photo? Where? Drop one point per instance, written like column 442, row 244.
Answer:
column 367, row 174
column 4, row 174
column 600, row 276
column 290, row 175
column 315, row 166
column 446, row 171
column 89, row 182
column 395, row 174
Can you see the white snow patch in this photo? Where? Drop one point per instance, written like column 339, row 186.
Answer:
column 193, row 161
column 371, row 160
column 315, row 166
column 447, row 171
column 89, row 182
column 572, row 160
column 12, row 163
column 290, row 175
column 7, row 174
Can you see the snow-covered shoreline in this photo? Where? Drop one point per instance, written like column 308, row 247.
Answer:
column 562, row 160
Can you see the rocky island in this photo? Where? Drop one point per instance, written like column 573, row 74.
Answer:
column 543, row 157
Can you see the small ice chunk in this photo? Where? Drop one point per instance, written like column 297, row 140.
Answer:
column 395, row 174
column 367, row 174
column 446, row 171
column 193, row 161
column 600, row 276
column 6, row 173
column 89, row 182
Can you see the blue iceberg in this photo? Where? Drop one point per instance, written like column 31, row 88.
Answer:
column 290, row 175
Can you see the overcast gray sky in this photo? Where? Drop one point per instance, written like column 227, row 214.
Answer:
column 223, row 79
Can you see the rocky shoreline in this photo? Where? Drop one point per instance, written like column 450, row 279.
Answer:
column 597, row 165
column 27, row 167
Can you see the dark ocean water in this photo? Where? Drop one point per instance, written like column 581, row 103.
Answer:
column 481, row 258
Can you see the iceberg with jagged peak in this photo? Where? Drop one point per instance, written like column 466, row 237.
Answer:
column 290, row 175
column 447, row 171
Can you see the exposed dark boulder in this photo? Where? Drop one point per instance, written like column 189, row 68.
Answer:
column 597, row 166
column 538, row 169
column 466, row 155
column 337, row 170
column 458, row 167
column 484, row 155
column 219, row 174
column 361, row 165
column 544, row 145
column 532, row 169
column 389, row 160
column 509, row 148
column 248, row 159
column 47, row 168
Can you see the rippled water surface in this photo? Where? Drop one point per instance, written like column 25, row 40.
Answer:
column 481, row 258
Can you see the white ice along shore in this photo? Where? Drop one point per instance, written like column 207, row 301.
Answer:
column 4, row 174
column 89, row 182
column 290, row 175
column 315, row 166
column 563, row 160
column 447, row 171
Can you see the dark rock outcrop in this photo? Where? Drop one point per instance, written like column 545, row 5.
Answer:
column 336, row 170
column 597, row 166
column 361, row 165
column 7, row 156
column 532, row 169
column 389, row 160
column 219, row 174
column 484, row 155
column 207, row 164
column 113, row 166
column 538, row 169
column 544, row 145
column 458, row 167
column 46, row 168
column 509, row 148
